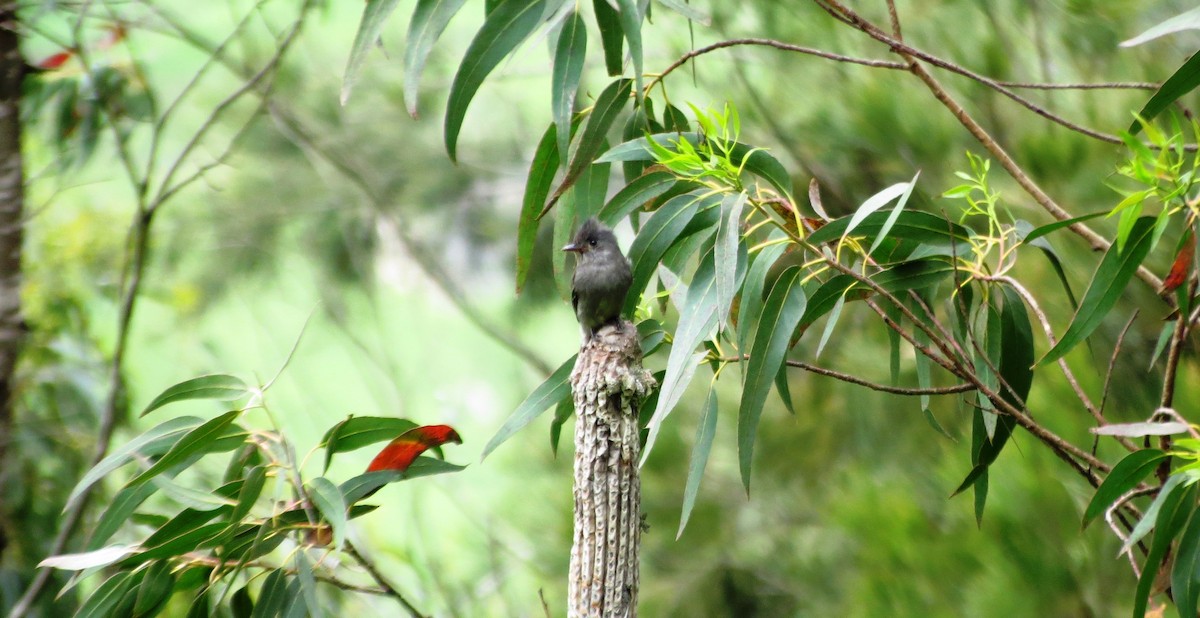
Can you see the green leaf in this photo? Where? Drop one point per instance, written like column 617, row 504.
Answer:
column 503, row 30
column 155, row 590
column 249, row 493
column 428, row 22
column 631, row 24
column 556, row 388
column 358, row 431
column 562, row 412
column 611, row 36
column 913, row 225
column 1024, row 229
column 754, row 160
column 895, row 214
column 1183, row 81
column 330, row 503
column 202, row 439
column 780, row 316
column 374, row 14
column 873, row 204
column 751, row 303
column 220, row 387
column 687, row 10
column 834, row 315
column 240, row 604
column 569, row 55
column 697, row 320
column 192, row 498
column 273, row 595
column 659, row 233
column 566, row 220
column 726, row 252
column 595, row 130
column 1146, row 523
column 1176, row 509
column 104, row 601
column 704, row 439
column 308, row 583
column 1185, row 575
column 181, row 543
column 1124, row 476
column 1108, row 285
column 784, row 389
column 117, row 514
column 1185, row 21
column 360, row 486
column 1038, row 232
column 155, row 441
column 635, row 195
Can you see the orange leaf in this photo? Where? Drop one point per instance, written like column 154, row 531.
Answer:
column 401, row 452
column 1182, row 266
column 55, row 61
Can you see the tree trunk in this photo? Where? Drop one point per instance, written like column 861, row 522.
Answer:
column 609, row 386
column 12, row 187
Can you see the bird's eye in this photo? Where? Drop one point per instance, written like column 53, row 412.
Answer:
column 592, row 242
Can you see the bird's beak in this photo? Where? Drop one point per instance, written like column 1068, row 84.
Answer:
column 573, row 248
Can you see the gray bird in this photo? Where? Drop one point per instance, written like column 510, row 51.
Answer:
column 602, row 277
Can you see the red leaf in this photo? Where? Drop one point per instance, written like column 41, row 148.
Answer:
column 1182, row 266
column 55, row 61
column 401, row 452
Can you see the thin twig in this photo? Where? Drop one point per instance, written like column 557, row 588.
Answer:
column 381, row 580
column 845, row 377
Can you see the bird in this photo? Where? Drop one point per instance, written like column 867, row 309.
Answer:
column 602, row 277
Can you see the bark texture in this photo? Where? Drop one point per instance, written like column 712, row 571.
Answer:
column 609, row 386
column 12, row 186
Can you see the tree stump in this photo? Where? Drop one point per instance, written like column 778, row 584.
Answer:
column 609, row 385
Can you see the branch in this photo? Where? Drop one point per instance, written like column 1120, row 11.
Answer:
column 383, row 582
column 1096, row 241
column 875, row 386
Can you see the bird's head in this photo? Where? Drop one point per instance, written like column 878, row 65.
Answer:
column 592, row 236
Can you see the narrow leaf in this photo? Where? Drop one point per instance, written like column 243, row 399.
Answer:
column 895, row 214
column 272, row 597
column 1108, row 285
column 556, row 388
column 697, row 320
column 658, row 234
column 631, row 24
column 374, row 14
column 781, row 315
column 220, row 387
column 1183, row 81
column 1038, row 232
column 359, row 431
column 726, row 252
column 564, row 78
column 1176, row 509
column 429, row 20
column 636, row 194
column 367, row 483
column 757, row 161
column 87, row 560
column 751, row 302
column 1124, row 476
column 592, row 137
column 332, row 506
column 503, row 30
column 1184, row 21
column 611, row 36
column 202, row 439
column 874, row 203
column 153, row 442
column 537, row 188
column 705, row 432
column 1138, row 430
